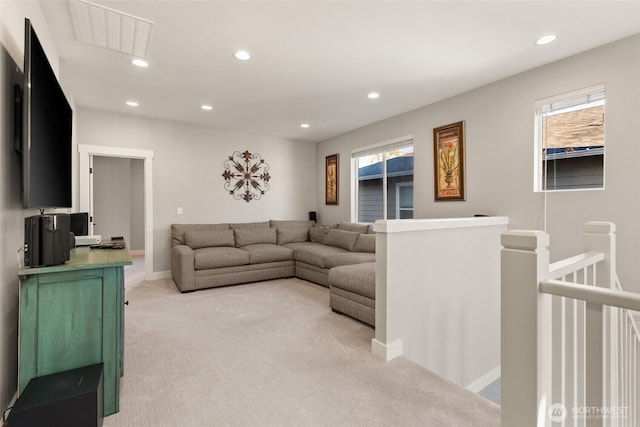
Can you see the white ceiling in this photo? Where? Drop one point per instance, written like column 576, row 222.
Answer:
column 316, row 61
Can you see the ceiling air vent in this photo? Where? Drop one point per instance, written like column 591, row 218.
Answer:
column 105, row 27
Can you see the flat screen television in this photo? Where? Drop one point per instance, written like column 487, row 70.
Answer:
column 46, row 131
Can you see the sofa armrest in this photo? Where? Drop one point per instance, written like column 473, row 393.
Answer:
column 182, row 267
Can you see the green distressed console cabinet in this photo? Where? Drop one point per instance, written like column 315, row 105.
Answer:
column 72, row 315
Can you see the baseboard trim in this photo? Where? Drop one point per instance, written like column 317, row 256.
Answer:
column 386, row 351
column 484, row 380
column 137, row 252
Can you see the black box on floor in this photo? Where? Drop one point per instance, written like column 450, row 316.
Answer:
column 66, row 399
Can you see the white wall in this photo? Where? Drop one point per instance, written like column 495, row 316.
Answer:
column 118, row 199
column 187, row 167
column 499, row 156
column 112, row 197
column 136, row 241
column 12, row 14
column 438, row 295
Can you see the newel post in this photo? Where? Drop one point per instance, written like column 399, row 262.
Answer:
column 599, row 354
column 600, row 236
column 524, row 318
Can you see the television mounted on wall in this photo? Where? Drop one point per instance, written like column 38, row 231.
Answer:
column 46, row 131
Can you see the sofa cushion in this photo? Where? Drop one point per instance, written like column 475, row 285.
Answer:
column 341, row 239
column 348, row 259
column 358, row 278
column 315, row 255
column 365, row 243
column 353, row 226
column 292, row 235
column 318, row 234
column 252, row 236
column 263, row 253
column 223, row 256
column 178, row 230
column 299, row 245
column 291, row 224
column 236, row 225
column 206, row 239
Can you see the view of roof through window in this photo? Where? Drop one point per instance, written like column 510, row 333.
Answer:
column 580, row 126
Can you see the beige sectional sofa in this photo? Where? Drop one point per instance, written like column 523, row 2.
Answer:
column 210, row 255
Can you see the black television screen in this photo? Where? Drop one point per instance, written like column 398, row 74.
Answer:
column 46, row 131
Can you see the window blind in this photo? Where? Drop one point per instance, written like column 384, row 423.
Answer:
column 394, row 144
column 565, row 101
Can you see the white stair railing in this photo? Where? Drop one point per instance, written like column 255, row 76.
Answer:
column 570, row 348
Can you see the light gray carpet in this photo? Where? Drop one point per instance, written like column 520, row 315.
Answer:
column 271, row 354
column 492, row 391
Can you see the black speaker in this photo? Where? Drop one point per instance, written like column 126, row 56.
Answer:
column 80, row 223
column 65, row 399
column 46, row 239
column 313, row 216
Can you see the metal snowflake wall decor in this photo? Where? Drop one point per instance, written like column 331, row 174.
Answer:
column 246, row 176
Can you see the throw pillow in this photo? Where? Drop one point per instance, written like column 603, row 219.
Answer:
column 341, row 239
column 252, row 236
column 365, row 243
column 207, row 239
column 353, row 226
column 292, row 235
column 319, row 233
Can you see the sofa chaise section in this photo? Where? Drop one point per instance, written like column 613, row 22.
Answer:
column 352, row 291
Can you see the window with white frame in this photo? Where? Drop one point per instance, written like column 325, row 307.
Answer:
column 570, row 140
column 404, row 200
column 383, row 181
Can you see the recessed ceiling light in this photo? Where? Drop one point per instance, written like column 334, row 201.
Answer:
column 373, row 95
column 305, row 125
column 139, row 62
column 132, row 103
column 242, row 55
column 207, row 107
column 546, row 39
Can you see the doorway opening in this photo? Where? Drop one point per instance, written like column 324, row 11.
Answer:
column 87, row 193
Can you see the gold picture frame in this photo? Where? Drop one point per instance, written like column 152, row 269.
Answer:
column 331, row 179
column 448, row 162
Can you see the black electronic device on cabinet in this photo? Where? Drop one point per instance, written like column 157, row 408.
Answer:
column 47, row 240
column 80, row 223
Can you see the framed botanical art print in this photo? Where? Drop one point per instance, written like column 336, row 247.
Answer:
column 331, row 180
column 448, row 156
